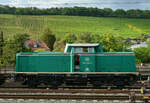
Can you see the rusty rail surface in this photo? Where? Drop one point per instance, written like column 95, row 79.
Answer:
column 72, row 94
column 104, row 91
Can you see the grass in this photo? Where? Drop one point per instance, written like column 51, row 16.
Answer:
column 60, row 25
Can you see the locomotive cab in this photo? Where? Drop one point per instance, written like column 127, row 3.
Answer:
column 83, row 48
column 83, row 56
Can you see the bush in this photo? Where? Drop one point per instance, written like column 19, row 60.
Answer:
column 85, row 37
column 40, row 50
column 112, row 43
column 142, row 55
column 48, row 38
column 69, row 38
column 13, row 46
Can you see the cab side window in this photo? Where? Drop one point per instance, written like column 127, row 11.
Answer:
column 77, row 50
column 88, row 50
column 91, row 50
column 83, row 50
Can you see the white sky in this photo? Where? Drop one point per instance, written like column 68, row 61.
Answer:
column 125, row 4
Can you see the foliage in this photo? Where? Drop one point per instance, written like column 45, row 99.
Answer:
column 119, row 13
column 13, row 46
column 76, row 11
column 107, row 12
column 59, row 45
column 112, row 43
column 48, row 38
column 62, row 25
column 69, row 38
column 1, row 43
column 40, row 50
column 85, row 38
column 18, row 42
column 142, row 54
column 61, row 42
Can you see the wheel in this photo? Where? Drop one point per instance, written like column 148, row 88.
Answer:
column 32, row 82
column 55, row 84
column 96, row 83
column 120, row 84
column 32, row 85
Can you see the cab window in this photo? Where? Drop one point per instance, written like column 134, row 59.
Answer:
column 91, row 50
column 83, row 50
column 78, row 50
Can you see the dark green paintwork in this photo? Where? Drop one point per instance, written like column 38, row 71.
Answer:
column 116, row 62
column 48, row 62
column 97, row 61
column 87, row 63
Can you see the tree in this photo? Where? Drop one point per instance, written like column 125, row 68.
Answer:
column 142, row 55
column 13, row 46
column 96, row 38
column 48, row 38
column 108, row 12
column 60, row 43
column 1, row 48
column 112, row 43
column 146, row 14
column 85, row 38
column 1, row 43
column 19, row 41
column 120, row 13
column 131, row 13
column 69, row 38
column 78, row 11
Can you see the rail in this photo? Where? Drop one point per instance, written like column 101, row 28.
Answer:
column 7, row 69
column 120, row 95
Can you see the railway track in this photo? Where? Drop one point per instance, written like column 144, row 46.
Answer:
column 137, row 86
column 8, row 91
column 68, row 97
column 71, row 94
column 73, row 91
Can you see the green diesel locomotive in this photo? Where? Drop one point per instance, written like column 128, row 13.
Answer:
column 79, row 64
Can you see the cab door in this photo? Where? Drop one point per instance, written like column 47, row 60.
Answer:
column 84, row 59
column 87, row 61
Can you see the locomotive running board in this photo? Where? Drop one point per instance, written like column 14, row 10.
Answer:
column 135, row 73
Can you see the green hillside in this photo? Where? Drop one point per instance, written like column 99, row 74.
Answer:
column 60, row 25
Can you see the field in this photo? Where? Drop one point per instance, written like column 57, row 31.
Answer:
column 60, row 25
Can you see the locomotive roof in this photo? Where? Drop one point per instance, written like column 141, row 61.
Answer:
column 83, row 45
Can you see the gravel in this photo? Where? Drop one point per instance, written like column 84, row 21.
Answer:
column 56, row 101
